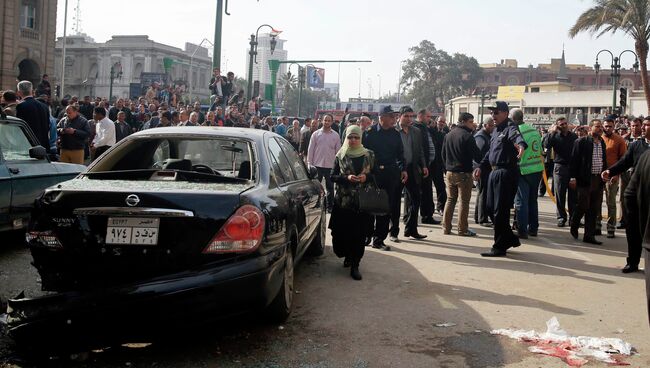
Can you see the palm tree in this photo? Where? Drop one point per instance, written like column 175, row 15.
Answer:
column 288, row 82
column 629, row 16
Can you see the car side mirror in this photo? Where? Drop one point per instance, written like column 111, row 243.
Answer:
column 38, row 152
column 313, row 172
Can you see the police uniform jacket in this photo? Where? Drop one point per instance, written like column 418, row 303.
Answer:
column 387, row 146
column 581, row 160
column 503, row 153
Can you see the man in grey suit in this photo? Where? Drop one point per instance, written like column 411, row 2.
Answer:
column 415, row 165
column 35, row 113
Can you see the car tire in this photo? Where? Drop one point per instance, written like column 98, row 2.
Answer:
column 280, row 308
column 317, row 246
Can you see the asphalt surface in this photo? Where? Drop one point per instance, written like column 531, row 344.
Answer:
column 395, row 316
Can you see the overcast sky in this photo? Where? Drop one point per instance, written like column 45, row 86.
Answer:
column 531, row 31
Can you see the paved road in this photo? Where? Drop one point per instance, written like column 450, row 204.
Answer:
column 389, row 319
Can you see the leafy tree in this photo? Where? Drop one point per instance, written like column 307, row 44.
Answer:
column 309, row 101
column 431, row 76
column 631, row 17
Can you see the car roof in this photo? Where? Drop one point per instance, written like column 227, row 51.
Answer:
column 255, row 134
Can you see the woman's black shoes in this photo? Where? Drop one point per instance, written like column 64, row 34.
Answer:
column 354, row 272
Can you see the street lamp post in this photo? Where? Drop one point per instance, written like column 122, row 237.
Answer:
column 301, row 82
column 274, row 66
column 379, row 91
column 252, row 53
column 399, row 81
column 359, row 84
column 192, row 58
column 616, row 74
column 116, row 72
column 484, row 97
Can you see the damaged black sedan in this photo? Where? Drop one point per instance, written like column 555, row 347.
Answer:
column 171, row 224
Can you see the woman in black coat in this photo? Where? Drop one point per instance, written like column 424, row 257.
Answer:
column 353, row 168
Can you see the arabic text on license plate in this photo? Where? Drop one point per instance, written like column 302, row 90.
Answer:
column 132, row 230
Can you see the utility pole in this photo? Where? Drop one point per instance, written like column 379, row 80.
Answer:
column 216, row 53
column 65, row 40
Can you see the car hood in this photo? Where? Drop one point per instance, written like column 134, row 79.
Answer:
column 65, row 168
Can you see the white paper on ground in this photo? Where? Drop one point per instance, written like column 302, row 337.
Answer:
column 599, row 348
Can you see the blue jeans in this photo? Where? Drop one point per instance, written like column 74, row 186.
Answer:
column 526, row 203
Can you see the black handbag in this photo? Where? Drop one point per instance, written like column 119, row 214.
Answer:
column 373, row 200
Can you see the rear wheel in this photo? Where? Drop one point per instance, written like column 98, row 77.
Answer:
column 280, row 307
column 317, row 245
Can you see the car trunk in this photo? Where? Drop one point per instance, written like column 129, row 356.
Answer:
column 105, row 238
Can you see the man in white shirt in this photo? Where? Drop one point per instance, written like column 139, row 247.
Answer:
column 104, row 133
column 321, row 153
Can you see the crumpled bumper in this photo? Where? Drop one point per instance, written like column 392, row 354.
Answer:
column 144, row 309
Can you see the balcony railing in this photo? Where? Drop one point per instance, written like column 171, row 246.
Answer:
column 30, row 34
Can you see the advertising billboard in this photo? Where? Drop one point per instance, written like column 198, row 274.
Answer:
column 315, row 77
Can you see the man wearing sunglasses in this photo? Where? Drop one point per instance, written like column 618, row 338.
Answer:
column 507, row 145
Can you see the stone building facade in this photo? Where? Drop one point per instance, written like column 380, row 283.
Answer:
column 581, row 77
column 88, row 65
column 27, row 41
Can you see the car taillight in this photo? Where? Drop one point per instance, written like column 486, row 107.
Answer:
column 44, row 238
column 242, row 232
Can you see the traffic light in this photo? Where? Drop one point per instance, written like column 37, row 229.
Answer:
column 623, row 97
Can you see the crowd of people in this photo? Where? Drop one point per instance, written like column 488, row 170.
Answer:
column 79, row 130
column 407, row 154
column 509, row 161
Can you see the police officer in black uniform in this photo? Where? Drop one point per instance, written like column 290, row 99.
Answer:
column 506, row 147
column 385, row 141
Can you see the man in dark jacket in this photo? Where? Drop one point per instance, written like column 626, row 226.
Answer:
column 459, row 150
column 481, row 215
column 385, row 141
column 588, row 161
column 416, row 168
column 306, row 137
column 439, row 131
column 74, row 131
column 122, row 129
column 428, row 145
column 561, row 140
column 34, row 113
column 640, row 184
column 128, row 117
column 44, row 87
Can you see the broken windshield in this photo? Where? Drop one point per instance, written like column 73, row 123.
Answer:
column 178, row 159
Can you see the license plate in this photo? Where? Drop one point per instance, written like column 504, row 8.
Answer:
column 132, row 230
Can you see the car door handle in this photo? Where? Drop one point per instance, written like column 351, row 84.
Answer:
column 14, row 170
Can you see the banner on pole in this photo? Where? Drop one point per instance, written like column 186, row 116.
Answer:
column 315, row 77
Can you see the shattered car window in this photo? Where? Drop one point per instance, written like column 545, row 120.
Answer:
column 14, row 143
column 213, row 156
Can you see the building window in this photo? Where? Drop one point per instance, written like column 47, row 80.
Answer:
column 627, row 83
column 496, row 78
column 581, row 81
column 28, row 15
column 512, row 81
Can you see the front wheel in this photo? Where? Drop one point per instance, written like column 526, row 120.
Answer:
column 280, row 307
